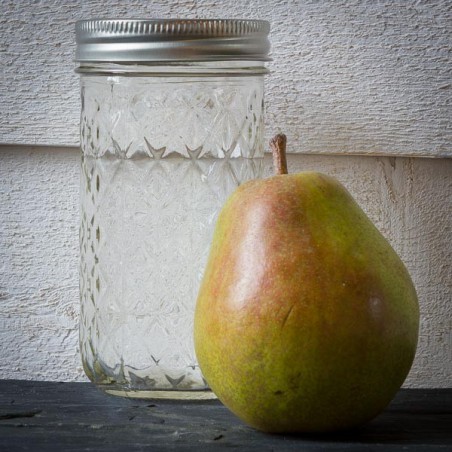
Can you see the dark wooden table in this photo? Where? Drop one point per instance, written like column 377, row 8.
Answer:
column 44, row 416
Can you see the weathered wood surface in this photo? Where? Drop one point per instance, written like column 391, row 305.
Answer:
column 346, row 77
column 409, row 200
column 44, row 416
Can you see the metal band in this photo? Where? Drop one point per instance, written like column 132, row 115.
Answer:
column 172, row 40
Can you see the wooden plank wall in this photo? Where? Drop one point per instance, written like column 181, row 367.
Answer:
column 347, row 78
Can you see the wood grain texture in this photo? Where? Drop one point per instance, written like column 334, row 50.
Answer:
column 409, row 199
column 358, row 77
column 39, row 193
column 45, row 416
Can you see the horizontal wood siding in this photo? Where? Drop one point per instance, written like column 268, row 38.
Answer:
column 409, row 199
column 346, row 77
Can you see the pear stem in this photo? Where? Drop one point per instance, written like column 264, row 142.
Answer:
column 278, row 148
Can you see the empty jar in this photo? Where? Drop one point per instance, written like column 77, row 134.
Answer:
column 171, row 123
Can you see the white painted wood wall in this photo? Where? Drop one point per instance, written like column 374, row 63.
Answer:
column 348, row 78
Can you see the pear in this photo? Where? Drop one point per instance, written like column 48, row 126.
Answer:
column 306, row 319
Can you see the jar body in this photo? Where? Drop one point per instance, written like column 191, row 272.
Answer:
column 161, row 152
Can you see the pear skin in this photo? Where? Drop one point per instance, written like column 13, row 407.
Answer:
column 306, row 319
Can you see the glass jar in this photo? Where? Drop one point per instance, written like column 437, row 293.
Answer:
column 171, row 123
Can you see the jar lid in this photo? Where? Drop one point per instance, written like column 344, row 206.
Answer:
column 171, row 40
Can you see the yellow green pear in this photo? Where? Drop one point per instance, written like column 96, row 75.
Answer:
column 306, row 319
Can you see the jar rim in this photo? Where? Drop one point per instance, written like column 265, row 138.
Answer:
column 174, row 69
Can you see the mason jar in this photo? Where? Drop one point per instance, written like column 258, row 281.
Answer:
column 171, row 123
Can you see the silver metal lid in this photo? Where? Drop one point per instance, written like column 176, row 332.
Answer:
column 171, row 40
